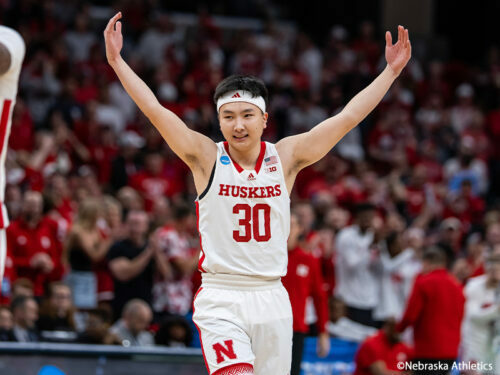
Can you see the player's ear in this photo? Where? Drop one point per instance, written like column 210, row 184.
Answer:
column 265, row 116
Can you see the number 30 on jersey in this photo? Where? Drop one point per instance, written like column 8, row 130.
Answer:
column 250, row 223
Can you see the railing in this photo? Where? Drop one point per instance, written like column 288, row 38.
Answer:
column 83, row 359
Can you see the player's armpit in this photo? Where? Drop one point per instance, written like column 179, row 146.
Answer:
column 5, row 59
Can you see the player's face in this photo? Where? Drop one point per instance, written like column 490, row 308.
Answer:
column 242, row 124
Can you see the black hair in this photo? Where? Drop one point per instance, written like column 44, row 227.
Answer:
column 19, row 302
column 252, row 84
column 164, row 337
column 103, row 314
column 435, row 255
column 364, row 207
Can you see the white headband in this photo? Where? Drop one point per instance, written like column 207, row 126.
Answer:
column 241, row 96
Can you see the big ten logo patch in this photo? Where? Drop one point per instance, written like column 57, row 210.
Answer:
column 225, row 349
column 271, row 169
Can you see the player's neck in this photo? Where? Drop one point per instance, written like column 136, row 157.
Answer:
column 247, row 159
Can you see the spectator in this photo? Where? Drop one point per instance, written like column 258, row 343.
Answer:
column 152, row 183
column 6, row 324
column 482, row 311
column 355, row 267
column 464, row 112
column 450, row 236
column 113, row 217
column 340, row 326
column 381, row 353
column 80, row 39
column 86, row 247
column 57, row 311
column 161, row 214
column 303, row 279
column 130, row 199
column 25, row 314
column 22, row 287
column 131, row 328
column 396, row 272
column 493, row 234
column 172, row 291
column 435, row 311
column 97, row 329
column 174, row 331
column 34, row 244
column 131, row 263
column 466, row 166
column 125, row 164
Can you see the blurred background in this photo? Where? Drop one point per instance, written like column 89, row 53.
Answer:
column 89, row 178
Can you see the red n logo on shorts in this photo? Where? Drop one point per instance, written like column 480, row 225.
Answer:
column 226, row 350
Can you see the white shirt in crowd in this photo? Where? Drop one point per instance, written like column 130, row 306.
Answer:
column 397, row 274
column 482, row 310
column 357, row 282
column 349, row 330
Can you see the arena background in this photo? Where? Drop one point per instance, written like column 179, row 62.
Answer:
column 72, row 123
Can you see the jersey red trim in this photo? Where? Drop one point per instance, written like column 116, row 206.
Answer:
column 202, row 258
column 260, row 159
column 235, row 369
column 199, row 332
column 4, row 120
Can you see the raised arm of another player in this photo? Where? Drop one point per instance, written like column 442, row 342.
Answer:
column 299, row 151
column 196, row 150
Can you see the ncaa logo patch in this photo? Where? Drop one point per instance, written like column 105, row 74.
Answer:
column 224, row 159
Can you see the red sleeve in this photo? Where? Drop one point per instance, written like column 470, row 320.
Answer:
column 319, row 295
column 19, row 261
column 413, row 306
column 367, row 355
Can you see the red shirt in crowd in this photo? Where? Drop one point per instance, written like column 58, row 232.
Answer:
column 435, row 310
column 24, row 242
column 379, row 348
column 303, row 279
column 153, row 187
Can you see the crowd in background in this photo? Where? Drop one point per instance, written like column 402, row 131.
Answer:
column 97, row 199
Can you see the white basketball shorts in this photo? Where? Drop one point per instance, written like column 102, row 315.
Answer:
column 245, row 325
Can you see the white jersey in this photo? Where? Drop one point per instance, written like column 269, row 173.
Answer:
column 481, row 313
column 244, row 217
column 8, row 91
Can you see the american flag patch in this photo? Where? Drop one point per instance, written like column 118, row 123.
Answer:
column 271, row 160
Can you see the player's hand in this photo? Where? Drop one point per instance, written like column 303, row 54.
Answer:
column 113, row 38
column 323, row 344
column 397, row 55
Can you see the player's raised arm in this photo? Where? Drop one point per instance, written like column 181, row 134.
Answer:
column 304, row 149
column 198, row 151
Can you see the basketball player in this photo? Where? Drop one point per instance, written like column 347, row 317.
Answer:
column 12, row 50
column 241, row 310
